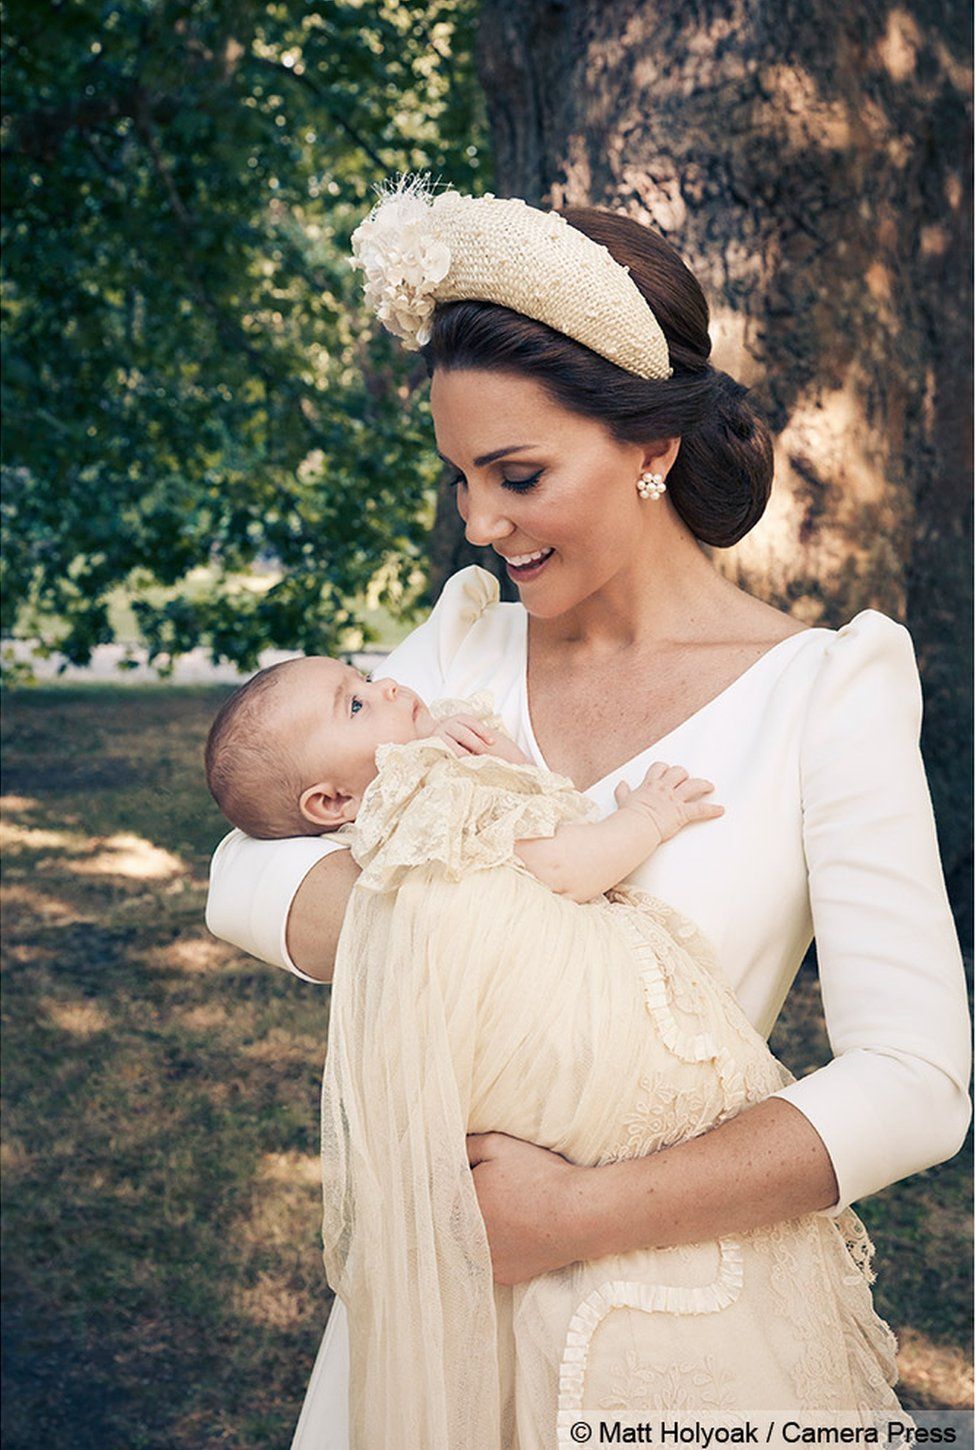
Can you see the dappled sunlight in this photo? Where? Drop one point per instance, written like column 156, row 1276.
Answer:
column 828, row 424
column 289, row 1168
column 15, row 1160
column 283, row 1045
column 193, row 954
column 204, row 1018
column 81, row 1019
column 286, row 1201
column 40, row 905
column 126, row 854
column 794, row 111
column 272, row 1302
column 730, row 330
column 896, row 51
column 16, row 805
column 942, row 1373
column 835, row 514
column 934, row 240
column 32, row 838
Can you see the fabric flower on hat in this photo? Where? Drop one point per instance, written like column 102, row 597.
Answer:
column 403, row 260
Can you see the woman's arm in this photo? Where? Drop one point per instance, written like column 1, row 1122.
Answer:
column 317, row 910
column 542, row 1212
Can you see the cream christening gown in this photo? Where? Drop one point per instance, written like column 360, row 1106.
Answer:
column 469, row 997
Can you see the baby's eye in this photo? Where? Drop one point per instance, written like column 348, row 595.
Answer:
column 355, row 701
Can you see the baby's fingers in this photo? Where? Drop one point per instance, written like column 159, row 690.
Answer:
column 449, row 740
column 703, row 810
column 692, row 788
column 468, row 739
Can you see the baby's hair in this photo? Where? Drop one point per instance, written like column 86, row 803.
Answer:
column 253, row 776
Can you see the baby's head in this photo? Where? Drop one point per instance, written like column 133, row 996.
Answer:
column 292, row 751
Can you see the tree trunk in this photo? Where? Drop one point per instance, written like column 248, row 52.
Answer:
column 813, row 166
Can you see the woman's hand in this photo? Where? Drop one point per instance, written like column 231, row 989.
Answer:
column 542, row 1212
column 531, row 1201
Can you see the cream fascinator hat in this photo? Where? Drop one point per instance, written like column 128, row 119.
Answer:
column 418, row 248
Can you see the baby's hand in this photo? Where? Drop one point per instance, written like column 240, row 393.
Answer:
column 669, row 797
column 467, row 735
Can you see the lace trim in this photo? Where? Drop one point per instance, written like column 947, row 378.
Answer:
column 858, row 1244
column 650, row 1299
column 427, row 806
column 686, row 1045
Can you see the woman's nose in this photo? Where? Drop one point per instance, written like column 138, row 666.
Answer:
column 483, row 524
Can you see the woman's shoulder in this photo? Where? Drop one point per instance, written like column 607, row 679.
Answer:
column 468, row 609
column 869, row 634
column 865, row 683
column 871, row 638
column 470, row 613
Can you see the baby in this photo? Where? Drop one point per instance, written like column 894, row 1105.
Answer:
column 591, row 1019
column 293, row 751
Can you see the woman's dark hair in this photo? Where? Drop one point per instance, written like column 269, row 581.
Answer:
column 721, row 479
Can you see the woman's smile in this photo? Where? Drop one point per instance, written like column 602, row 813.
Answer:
column 523, row 567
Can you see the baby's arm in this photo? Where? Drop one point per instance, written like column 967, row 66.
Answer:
column 584, row 859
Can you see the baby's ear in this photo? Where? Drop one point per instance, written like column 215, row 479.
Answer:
column 327, row 808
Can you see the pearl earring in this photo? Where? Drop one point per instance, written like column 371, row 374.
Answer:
column 651, row 485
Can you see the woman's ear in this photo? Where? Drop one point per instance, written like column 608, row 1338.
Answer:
column 327, row 808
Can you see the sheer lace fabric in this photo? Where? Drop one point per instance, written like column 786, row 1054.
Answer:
column 467, row 997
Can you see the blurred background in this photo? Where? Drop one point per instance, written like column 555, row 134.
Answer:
column 214, row 456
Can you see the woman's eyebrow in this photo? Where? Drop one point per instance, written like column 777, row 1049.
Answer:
column 490, row 457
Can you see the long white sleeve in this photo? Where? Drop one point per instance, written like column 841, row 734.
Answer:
column 253, row 883
column 894, row 1099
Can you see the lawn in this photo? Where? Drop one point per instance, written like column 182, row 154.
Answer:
column 163, row 1282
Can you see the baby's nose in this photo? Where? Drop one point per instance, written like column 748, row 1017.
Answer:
column 389, row 688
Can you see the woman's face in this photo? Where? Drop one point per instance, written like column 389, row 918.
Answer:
column 567, row 489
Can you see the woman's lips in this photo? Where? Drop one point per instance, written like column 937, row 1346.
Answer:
column 520, row 573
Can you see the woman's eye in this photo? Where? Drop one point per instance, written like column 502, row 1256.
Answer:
column 514, row 485
column 521, row 485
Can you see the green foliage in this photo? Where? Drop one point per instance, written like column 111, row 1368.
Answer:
column 189, row 375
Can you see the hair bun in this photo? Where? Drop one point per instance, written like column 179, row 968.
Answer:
column 731, row 396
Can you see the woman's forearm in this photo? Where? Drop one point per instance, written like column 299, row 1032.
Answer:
column 317, row 910
column 764, row 1165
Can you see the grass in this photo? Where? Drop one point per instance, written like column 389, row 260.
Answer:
column 163, row 1282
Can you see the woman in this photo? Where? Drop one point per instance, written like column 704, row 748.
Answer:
column 615, row 474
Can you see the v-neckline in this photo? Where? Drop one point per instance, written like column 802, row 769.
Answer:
column 689, row 719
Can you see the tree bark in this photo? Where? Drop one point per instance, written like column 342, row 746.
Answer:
column 812, row 163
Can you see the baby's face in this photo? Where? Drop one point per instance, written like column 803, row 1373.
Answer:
column 335, row 719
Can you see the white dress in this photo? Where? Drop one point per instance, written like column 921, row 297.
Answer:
column 828, row 830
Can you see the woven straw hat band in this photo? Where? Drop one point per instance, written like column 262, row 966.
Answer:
column 418, row 248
